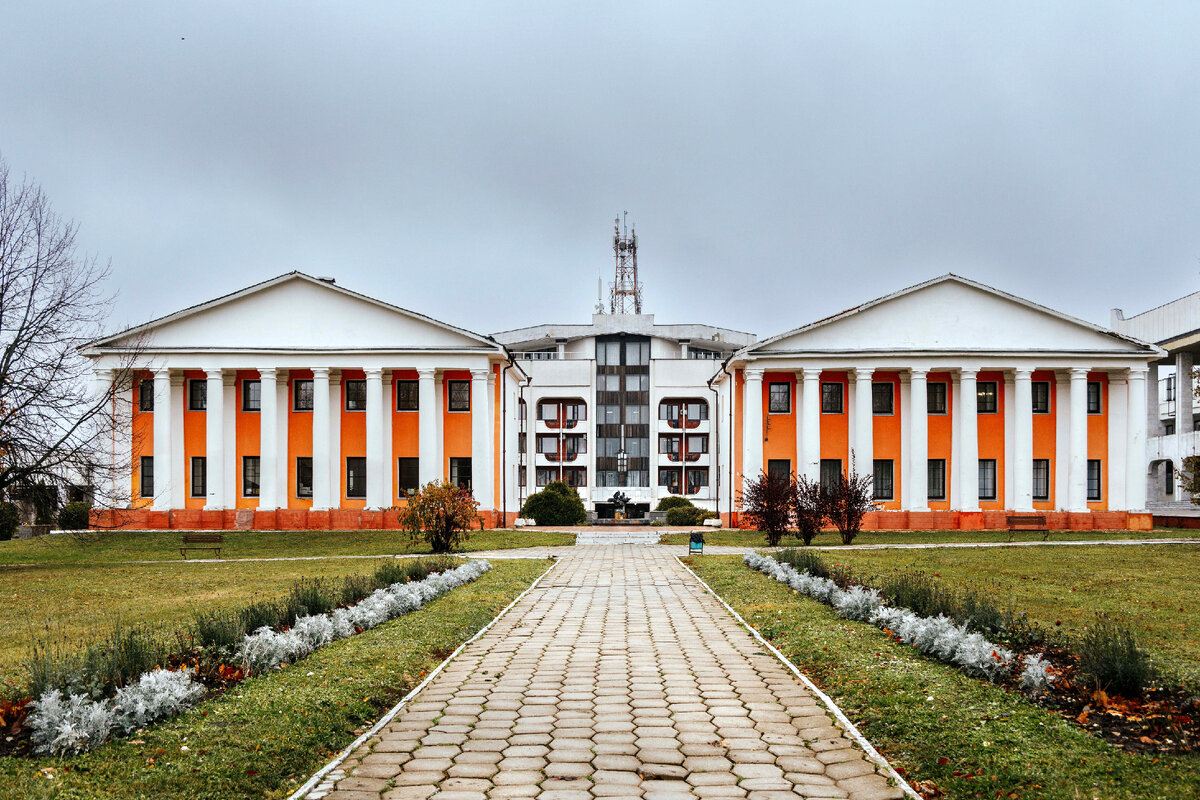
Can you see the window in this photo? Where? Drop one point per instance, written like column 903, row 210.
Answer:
column 146, row 484
column 548, row 411
column 522, row 478
column 408, row 478
column 460, row 471
column 831, row 470
column 408, row 396
column 521, row 442
column 779, row 468
column 1041, row 397
column 1170, row 388
column 882, row 399
column 831, row 398
column 356, row 395
column 987, row 479
column 937, row 478
column 637, row 415
column 669, row 412
column 547, row 445
column 1093, row 479
column 607, row 477
column 1093, row 397
column 668, row 445
column 697, row 443
column 1041, row 479
column 574, row 446
column 197, row 395
column 608, row 354
column 199, row 476
column 250, row 476
column 1169, row 472
column 986, row 400
column 608, row 383
column 146, row 396
column 251, row 395
column 546, row 475
column 637, row 477
column 302, row 395
column 636, row 383
column 669, row 478
column 575, row 476
column 884, row 479
column 697, row 479
column 304, row 476
column 522, row 409
column 574, row 412
column 637, row 354
column 780, row 398
column 696, row 410
column 460, row 395
column 935, row 394
column 356, row 477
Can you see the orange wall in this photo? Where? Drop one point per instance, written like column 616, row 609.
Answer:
column 835, row 428
column 779, row 430
column 143, row 443
column 885, row 442
column 406, row 431
column 247, row 439
column 1097, row 439
column 299, row 437
column 1045, row 438
column 195, row 440
column 941, row 433
column 353, row 437
column 991, row 439
column 456, row 442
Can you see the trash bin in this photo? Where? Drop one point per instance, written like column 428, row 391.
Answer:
column 696, row 545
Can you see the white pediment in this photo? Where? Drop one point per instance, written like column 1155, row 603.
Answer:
column 950, row 314
column 297, row 312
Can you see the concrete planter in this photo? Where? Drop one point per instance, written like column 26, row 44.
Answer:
column 30, row 531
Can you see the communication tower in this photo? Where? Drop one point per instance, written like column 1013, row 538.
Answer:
column 626, row 297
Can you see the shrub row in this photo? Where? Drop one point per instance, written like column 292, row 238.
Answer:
column 70, row 722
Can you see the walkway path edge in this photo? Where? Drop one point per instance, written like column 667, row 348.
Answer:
column 849, row 726
column 312, row 782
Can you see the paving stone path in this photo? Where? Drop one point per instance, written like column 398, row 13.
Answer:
column 617, row 676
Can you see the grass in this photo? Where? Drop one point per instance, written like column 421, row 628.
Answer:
column 743, row 538
column 970, row 738
column 266, row 736
column 118, row 546
column 1151, row 587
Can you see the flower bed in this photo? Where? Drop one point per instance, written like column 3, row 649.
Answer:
column 64, row 723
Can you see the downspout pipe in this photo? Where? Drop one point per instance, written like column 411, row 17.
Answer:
column 716, row 397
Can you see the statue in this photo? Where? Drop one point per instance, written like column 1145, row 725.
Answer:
column 619, row 501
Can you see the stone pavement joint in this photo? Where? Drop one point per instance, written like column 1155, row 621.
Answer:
column 618, row 675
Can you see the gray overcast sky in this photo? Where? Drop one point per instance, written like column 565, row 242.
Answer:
column 781, row 161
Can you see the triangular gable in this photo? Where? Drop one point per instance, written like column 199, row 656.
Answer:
column 950, row 314
column 297, row 312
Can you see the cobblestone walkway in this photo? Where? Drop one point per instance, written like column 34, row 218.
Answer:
column 618, row 676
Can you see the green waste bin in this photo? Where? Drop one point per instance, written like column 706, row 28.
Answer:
column 696, row 544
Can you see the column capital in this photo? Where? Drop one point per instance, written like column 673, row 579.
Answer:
column 968, row 372
column 1138, row 373
column 214, row 373
column 267, row 373
column 373, row 372
column 480, row 374
column 335, row 376
column 1080, row 373
column 426, row 373
column 1023, row 373
column 918, row 372
column 161, row 372
column 755, row 373
column 863, row 373
column 811, row 373
column 320, row 372
column 229, row 378
column 177, row 379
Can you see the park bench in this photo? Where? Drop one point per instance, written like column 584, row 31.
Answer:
column 1027, row 522
column 201, row 541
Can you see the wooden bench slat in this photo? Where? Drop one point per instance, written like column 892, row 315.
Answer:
column 202, row 541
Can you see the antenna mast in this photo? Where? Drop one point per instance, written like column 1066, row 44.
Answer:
column 626, row 291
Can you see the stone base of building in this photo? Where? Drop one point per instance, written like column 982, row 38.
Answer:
column 247, row 519
column 992, row 521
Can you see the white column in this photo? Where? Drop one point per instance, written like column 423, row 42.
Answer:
column 268, row 442
column 481, row 443
column 104, row 479
column 1077, row 444
column 376, row 469
column 163, row 458
column 439, row 412
column 491, row 404
column 179, row 465
column 214, row 440
column 752, row 427
column 810, row 461
column 1185, row 392
column 337, row 467
column 229, row 470
column 282, row 485
column 1135, row 448
column 796, row 467
column 968, row 456
column 1118, row 430
column 1023, row 441
column 864, row 422
column 320, row 438
column 918, row 469
column 428, row 466
column 389, row 459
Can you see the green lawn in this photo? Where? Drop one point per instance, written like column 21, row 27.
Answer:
column 742, row 538
column 931, row 720
column 1153, row 587
column 97, row 548
column 266, row 736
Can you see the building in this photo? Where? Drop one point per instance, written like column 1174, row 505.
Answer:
column 297, row 403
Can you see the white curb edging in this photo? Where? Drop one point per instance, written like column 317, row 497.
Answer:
column 312, row 782
column 849, row 727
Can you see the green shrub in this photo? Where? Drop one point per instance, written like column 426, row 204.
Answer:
column 310, row 596
column 1109, row 653
column 74, row 516
column 10, row 520
column 673, row 501
column 99, row 668
column 688, row 515
column 804, row 561
column 557, row 504
column 217, row 629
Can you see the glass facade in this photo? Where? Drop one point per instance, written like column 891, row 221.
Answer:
column 623, row 411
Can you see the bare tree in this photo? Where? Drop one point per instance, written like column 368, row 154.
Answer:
column 811, row 507
column 56, row 426
column 767, row 505
column 849, row 499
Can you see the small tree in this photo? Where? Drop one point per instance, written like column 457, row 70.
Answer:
column 440, row 514
column 767, row 505
column 810, row 507
column 849, row 499
column 1189, row 477
column 557, row 504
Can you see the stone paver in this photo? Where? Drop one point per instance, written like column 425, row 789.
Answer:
column 618, row 676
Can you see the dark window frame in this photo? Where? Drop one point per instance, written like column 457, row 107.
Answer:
column 250, row 403
column 932, row 401
column 828, row 398
column 408, row 395
column 1041, row 464
column 1097, row 495
column 779, row 466
column 455, row 404
column 354, row 390
column 146, row 469
column 197, row 401
column 146, row 398
column 1098, row 406
column 935, row 479
column 301, row 466
column 1039, row 407
column 827, row 470
column 690, row 487
column 1169, row 474
column 992, row 405
column 995, row 480
column 779, row 391
column 877, row 407
column 877, row 492
column 457, row 465
column 251, row 489
column 202, row 463
column 355, row 479
column 412, row 464
column 298, row 395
